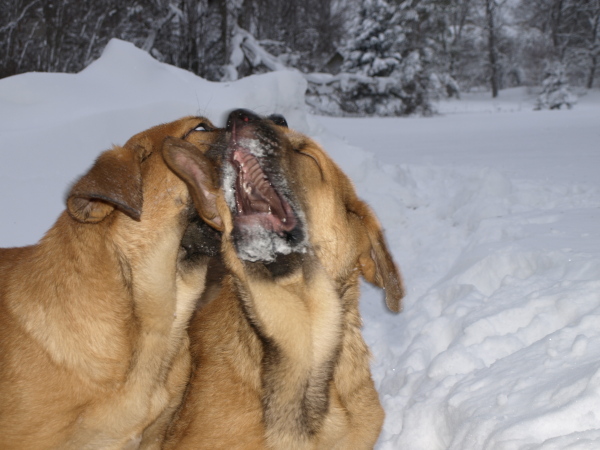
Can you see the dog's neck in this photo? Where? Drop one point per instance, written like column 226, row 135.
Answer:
column 59, row 314
column 298, row 321
column 93, row 301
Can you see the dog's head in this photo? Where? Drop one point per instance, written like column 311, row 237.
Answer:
column 285, row 198
column 151, row 184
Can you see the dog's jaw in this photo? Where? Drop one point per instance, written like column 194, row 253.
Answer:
column 256, row 201
column 267, row 222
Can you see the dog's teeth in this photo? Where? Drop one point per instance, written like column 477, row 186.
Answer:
column 284, row 220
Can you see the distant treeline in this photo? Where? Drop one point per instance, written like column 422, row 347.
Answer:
column 476, row 43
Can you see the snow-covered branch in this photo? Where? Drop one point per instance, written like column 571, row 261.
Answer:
column 245, row 48
column 15, row 22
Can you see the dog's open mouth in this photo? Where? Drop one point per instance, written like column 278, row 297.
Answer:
column 267, row 219
column 257, row 201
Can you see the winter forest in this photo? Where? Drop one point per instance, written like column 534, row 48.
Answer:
column 360, row 57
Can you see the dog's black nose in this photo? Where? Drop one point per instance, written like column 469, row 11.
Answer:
column 242, row 116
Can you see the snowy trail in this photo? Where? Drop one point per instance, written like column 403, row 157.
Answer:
column 502, row 306
column 492, row 212
column 498, row 345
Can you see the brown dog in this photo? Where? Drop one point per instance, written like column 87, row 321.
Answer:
column 279, row 359
column 94, row 351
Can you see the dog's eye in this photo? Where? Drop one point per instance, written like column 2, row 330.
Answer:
column 203, row 127
column 278, row 119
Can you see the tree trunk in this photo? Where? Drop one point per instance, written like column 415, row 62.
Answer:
column 54, row 20
column 459, row 20
column 158, row 25
column 592, row 73
column 594, row 50
column 490, row 12
column 225, row 33
column 556, row 15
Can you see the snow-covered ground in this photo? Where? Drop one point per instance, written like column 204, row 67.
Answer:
column 492, row 211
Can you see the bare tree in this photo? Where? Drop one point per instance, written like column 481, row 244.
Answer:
column 594, row 42
column 572, row 30
column 491, row 19
column 459, row 14
column 586, row 35
column 15, row 34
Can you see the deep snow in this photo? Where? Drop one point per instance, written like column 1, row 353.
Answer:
column 492, row 211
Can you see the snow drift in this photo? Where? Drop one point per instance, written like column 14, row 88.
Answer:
column 498, row 346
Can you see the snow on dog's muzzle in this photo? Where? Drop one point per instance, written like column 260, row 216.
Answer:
column 266, row 217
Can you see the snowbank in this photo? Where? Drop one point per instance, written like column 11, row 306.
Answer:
column 493, row 218
column 54, row 125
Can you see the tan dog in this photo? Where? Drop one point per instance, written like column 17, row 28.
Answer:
column 279, row 359
column 94, row 351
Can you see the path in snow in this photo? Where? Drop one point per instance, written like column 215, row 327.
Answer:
column 494, row 219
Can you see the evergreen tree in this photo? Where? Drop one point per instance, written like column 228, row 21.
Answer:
column 373, row 50
column 555, row 89
column 391, row 77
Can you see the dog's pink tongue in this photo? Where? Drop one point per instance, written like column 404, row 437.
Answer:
column 254, row 191
column 257, row 202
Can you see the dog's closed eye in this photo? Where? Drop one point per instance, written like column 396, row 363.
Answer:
column 301, row 150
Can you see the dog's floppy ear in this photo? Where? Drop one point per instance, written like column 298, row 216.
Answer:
column 114, row 181
column 376, row 262
column 199, row 174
